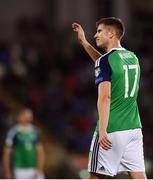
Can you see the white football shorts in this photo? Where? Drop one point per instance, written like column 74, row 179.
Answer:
column 126, row 154
column 27, row 173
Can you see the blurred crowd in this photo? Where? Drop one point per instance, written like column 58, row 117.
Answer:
column 44, row 69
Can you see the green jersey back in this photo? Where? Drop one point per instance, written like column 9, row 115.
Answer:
column 121, row 68
column 23, row 141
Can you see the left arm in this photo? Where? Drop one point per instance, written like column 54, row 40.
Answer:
column 103, row 105
column 40, row 157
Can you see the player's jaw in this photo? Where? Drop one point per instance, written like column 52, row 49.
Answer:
column 100, row 42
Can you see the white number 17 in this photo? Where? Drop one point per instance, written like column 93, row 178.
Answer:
column 127, row 68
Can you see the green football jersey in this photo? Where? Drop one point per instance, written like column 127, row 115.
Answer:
column 121, row 68
column 23, row 141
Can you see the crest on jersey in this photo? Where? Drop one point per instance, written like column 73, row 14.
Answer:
column 97, row 71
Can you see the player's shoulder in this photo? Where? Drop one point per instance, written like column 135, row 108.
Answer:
column 12, row 131
column 104, row 59
column 35, row 129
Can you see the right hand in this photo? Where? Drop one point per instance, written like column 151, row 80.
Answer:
column 39, row 174
column 81, row 35
column 104, row 141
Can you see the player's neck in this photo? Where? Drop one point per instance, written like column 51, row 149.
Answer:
column 114, row 44
column 24, row 124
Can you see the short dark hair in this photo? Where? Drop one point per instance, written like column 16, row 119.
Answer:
column 114, row 22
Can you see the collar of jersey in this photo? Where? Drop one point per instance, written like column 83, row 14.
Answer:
column 26, row 128
column 121, row 48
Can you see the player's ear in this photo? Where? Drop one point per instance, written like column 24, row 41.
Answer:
column 111, row 32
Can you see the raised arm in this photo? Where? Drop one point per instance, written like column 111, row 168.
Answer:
column 93, row 53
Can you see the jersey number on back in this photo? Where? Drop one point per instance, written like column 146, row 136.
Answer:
column 128, row 68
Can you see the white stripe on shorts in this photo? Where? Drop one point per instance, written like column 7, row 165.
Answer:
column 95, row 154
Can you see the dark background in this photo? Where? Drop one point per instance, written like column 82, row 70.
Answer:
column 42, row 66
